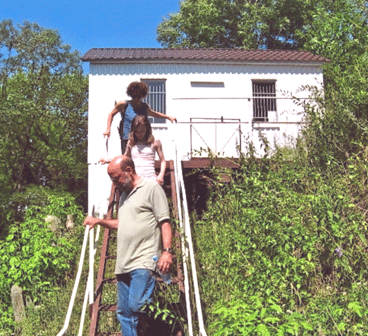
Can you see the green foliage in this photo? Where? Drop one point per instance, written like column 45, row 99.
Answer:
column 263, row 24
column 167, row 309
column 31, row 48
column 337, row 124
column 255, row 316
column 47, row 317
column 282, row 249
column 43, row 121
column 163, row 312
column 34, row 257
column 338, row 31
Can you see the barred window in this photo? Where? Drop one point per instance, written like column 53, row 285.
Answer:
column 264, row 99
column 156, row 98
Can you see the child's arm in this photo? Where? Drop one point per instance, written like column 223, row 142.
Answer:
column 119, row 107
column 128, row 151
column 160, row 176
column 156, row 114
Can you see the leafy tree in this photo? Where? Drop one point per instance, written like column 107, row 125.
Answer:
column 273, row 24
column 337, row 30
column 43, row 115
column 338, row 127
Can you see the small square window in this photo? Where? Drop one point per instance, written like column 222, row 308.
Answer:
column 156, row 98
column 264, row 99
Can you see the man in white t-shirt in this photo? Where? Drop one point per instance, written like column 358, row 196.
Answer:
column 144, row 232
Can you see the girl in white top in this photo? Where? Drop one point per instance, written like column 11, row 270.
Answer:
column 142, row 148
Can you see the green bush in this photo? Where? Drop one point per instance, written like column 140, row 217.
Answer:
column 36, row 258
column 48, row 316
column 282, row 250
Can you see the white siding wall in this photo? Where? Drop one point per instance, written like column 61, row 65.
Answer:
column 108, row 84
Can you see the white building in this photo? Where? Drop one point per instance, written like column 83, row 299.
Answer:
column 222, row 98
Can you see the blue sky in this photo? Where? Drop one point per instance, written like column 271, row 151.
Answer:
column 90, row 24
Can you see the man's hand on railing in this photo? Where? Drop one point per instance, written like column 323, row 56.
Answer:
column 91, row 221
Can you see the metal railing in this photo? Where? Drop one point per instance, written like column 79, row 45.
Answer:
column 216, row 122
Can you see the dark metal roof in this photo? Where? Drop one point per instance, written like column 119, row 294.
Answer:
column 161, row 54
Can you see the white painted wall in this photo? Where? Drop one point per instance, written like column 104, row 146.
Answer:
column 108, row 82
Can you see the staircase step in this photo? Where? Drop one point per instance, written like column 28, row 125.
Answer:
column 107, row 307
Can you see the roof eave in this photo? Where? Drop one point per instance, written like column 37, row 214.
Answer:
column 201, row 61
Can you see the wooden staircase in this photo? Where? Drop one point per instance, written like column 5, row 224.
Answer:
column 106, row 282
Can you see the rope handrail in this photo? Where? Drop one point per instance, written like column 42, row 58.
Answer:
column 188, row 239
column 192, row 258
column 76, row 284
column 89, row 287
column 183, row 247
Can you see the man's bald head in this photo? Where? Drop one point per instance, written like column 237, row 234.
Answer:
column 120, row 164
column 122, row 173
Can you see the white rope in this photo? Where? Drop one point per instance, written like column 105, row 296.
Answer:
column 83, row 313
column 192, row 255
column 187, row 242
column 91, row 262
column 183, row 247
column 77, row 279
column 92, row 251
column 88, row 287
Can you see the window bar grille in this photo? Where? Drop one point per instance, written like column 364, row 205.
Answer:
column 156, row 98
column 264, row 100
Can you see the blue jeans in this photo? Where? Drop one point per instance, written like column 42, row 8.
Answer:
column 134, row 290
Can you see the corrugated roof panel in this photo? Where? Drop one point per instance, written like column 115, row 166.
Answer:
column 121, row 54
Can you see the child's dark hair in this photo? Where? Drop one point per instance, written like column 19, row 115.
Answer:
column 137, row 90
column 141, row 120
